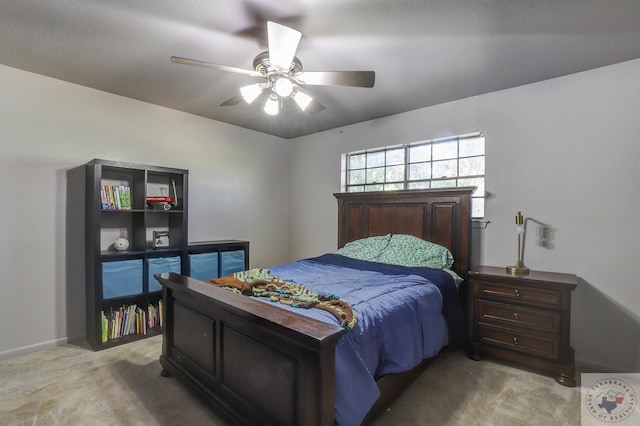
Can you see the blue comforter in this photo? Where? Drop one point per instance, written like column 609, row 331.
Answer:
column 404, row 315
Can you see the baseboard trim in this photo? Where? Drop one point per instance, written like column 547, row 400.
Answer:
column 39, row 346
column 597, row 367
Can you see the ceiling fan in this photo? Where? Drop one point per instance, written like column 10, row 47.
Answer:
column 283, row 74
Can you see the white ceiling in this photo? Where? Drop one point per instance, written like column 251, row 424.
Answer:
column 424, row 52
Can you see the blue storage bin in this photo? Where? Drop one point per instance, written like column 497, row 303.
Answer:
column 159, row 265
column 231, row 261
column 204, row 266
column 122, row 278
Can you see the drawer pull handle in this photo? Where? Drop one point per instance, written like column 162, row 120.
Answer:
column 515, row 341
column 517, row 292
column 515, row 315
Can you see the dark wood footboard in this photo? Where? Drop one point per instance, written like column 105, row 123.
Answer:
column 253, row 362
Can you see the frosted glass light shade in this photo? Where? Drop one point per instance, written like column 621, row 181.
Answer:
column 271, row 107
column 302, row 99
column 283, row 87
column 251, row 92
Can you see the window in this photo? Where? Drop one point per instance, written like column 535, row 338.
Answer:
column 437, row 163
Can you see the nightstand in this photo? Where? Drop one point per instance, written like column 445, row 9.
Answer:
column 524, row 319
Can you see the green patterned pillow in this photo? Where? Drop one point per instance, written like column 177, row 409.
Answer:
column 366, row 248
column 406, row 250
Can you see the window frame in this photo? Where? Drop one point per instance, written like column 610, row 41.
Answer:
column 378, row 176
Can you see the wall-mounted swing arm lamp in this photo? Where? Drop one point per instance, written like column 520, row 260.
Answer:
column 521, row 229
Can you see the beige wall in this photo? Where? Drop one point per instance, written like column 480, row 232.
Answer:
column 238, row 189
column 564, row 151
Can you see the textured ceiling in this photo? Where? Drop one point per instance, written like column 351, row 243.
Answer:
column 424, row 52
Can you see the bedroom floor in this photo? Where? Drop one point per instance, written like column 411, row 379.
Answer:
column 72, row 385
column 455, row 390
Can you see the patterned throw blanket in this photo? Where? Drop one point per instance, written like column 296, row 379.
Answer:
column 258, row 282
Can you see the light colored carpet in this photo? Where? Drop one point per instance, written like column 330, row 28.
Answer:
column 72, row 385
column 455, row 390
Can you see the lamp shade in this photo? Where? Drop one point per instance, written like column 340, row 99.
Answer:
column 283, row 87
column 272, row 106
column 251, row 92
column 302, row 99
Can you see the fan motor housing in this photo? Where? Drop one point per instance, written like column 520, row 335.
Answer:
column 262, row 64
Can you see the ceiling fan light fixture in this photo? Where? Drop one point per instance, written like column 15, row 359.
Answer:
column 251, row 92
column 272, row 106
column 302, row 99
column 282, row 74
column 283, row 87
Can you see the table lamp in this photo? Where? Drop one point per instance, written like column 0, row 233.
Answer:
column 521, row 230
column 519, row 268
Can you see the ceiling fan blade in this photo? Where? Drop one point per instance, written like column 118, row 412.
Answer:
column 337, row 78
column 259, row 15
column 232, row 101
column 185, row 61
column 283, row 42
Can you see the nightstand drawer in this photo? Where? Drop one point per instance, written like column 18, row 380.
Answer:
column 536, row 345
column 518, row 316
column 519, row 293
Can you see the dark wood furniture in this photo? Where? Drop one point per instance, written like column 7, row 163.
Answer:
column 114, row 279
column 525, row 319
column 256, row 363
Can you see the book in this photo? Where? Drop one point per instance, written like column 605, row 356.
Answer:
column 150, row 316
column 115, row 197
column 131, row 316
column 112, row 204
column 128, row 320
column 105, row 327
column 103, row 197
column 125, row 197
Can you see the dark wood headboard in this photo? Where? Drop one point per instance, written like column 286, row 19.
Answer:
column 442, row 216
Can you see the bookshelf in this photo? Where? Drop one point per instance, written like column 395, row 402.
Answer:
column 123, row 300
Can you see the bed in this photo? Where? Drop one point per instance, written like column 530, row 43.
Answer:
column 262, row 363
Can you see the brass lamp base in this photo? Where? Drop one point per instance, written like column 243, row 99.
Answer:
column 518, row 269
